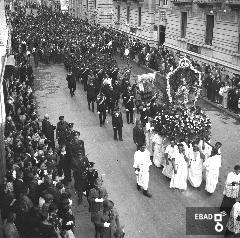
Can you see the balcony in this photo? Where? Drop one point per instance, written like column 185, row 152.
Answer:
column 182, row 2
column 203, row 3
column 234, row 4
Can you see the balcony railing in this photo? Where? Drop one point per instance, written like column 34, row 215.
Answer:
column 208, row 2
column 178, row 2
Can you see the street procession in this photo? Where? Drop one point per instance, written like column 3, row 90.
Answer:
column 106, row 135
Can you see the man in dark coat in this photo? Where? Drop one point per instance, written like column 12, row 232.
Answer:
column 77, row 146
column 48, row 130
column 139, row 137
column 129, row 105
column 117, row 123
column 101, row 108
column 71, row 82
column 91, row 95
column 62, row 129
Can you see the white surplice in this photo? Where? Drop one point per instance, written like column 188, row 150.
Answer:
column 212, row 165
column 179, row 180
column 168, row 168
column 158, row 154
column 233, row 224
column 142, row 162
column 196, row 169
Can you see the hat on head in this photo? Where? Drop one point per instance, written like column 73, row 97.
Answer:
column 70, row 125
column 76, row 133
column 46, row 116
column 91, row 164
column 61, row 117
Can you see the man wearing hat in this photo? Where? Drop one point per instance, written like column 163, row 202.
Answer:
column 117, row 123
column 48, row 130
column 101, row 108
column 71, row 82
column 141, row 165
column 106, row 221
column 62, row 129
column 92, row 175
column 77, row 146
column 139, row 137
column 96, row 197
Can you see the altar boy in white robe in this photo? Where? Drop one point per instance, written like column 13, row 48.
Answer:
column 212, row 165
column 170, row 150
column 141, row 165
column 195, row 170
column 180, row 169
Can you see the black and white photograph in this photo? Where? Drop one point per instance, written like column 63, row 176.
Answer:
column 119, row 118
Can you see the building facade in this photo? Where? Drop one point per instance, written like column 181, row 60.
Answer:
column 95, row 11
column 205, row 29
column 137, row 18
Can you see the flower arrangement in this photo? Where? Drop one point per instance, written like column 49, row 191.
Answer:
column 146, row 82
column 179, row 122
column 183, row 81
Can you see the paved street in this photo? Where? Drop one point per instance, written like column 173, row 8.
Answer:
column 164, row 214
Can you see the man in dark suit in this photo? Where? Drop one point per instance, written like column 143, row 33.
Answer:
column 62, row 129
column 91, row 95
column 101, row 108
column 48, row 130
column 139, row 137
column 77, row 146
column 129, row 108
column 71, row 82
column 117, row 123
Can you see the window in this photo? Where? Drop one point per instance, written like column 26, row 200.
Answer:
column 139, row 16
column 118, row 13
column 87, row 4
column 184, row 24
column 209, row 29
column 128, row 14
column 95, row 4
column 165, row 2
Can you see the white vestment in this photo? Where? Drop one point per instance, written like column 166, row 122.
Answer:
column 196, row 169
column 179, row 180
column 212, row 165
column 158, row 154
column 168, row 168
column 233, row 224
column 142, row 162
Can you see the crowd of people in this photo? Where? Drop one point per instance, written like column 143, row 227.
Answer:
column 35, row 194
column 35, row 198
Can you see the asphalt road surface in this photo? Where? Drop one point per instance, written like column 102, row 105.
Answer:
column 163, row 215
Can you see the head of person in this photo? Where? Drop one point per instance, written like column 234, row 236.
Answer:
column 11, row 217
column 142, row 147
column 46, row 116
column 218, row 145
column 61, row 118
column 76, row 135
column 108, row 205
column 70, row 125
column 172, row 141
column 90, row 166
column 195, row 146
column 237, row 169
column 180, row 148
column 138, row 124
column 98, row 182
